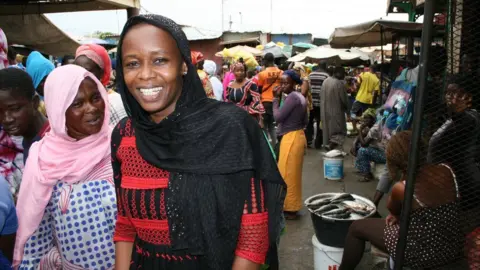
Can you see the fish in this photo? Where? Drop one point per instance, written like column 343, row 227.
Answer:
column 358, row 207
column 336, row 211
column 342, row 197
column 340, row 215
column 325, row 208
column 317, row 203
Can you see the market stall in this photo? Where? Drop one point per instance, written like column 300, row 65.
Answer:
column 335, row 56
column 375, row 33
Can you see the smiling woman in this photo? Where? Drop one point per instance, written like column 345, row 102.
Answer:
column 67, row 197
column 86, row 114
column 181, row 195
column 95, row 59
column 153, row 72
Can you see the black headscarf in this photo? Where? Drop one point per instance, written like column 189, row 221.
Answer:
column 212, row 150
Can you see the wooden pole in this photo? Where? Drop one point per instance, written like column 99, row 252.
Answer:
column 131, row 12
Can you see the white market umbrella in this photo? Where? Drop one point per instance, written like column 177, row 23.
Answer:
column 325, row 53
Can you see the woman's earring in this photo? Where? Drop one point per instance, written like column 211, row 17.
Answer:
column 184, row 73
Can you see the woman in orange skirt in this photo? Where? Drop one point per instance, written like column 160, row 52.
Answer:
column 292, row 118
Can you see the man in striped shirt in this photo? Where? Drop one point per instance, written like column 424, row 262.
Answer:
column 316, row 79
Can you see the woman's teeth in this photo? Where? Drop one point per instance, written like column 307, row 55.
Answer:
column 150, row 91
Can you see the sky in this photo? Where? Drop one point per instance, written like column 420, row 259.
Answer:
column 318, row 17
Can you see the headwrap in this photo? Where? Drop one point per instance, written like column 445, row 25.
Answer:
column 208, row 181
column 236, row 65
column 3, row 50
column 99, row 56
column 38, row 67
column 58, row 157
column 197, row 57
column 292, row 74
column 210, row 67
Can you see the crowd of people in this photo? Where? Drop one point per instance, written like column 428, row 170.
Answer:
column 159, row 160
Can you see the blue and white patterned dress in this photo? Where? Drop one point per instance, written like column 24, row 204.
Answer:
column 77, row 229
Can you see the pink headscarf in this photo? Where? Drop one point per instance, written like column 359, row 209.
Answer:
column 99, row 55
column 3, row 50
column 58, row 157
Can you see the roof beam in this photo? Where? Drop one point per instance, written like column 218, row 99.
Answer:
column 123, row 3
column 46, row 7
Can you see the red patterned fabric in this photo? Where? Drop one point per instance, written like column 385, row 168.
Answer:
column 253, row 239
column 142, row 213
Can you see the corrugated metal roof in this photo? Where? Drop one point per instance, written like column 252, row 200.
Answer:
column 16, row 7
column 37, row 32
column 194, row 33
column 238, row 41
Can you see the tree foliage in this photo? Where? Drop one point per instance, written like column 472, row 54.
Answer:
column 102, row 35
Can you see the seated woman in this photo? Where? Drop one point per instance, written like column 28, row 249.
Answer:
column 457, row 142
column 66, row 206
column 372, row 148
column 366, row 124
column 434, row 236
column 95, row 59
column 244, row 93
column 292, row 118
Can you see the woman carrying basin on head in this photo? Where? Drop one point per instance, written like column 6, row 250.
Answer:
column 195, row 178
column 66, row 205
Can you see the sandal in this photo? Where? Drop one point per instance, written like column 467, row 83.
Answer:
column 291, row 216
column 353, row 134
column 365, row 178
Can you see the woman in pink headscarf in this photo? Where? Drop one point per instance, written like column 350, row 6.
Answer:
column 66, row 206
column 95, row 59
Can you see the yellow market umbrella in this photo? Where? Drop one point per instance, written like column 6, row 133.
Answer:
column 240, row 48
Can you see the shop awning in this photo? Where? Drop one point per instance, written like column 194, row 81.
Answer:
column 370, row 33
column 39, row 33
column 241, row 41
column 22, row 7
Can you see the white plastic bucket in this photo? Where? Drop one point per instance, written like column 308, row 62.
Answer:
column 333, row 168
column 325, row 257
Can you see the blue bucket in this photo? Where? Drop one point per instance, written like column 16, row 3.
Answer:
column 333, row 168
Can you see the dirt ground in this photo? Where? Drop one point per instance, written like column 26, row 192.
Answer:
column 296, row 250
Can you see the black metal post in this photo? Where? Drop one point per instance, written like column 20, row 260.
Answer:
column 381, row 65
column 131, row 12
column 413, row 159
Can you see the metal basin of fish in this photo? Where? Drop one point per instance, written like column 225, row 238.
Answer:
column 331, row 196
column 333, row 213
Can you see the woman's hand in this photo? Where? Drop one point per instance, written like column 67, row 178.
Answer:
column 243, row 264
column 277, row 91
column 391, row 220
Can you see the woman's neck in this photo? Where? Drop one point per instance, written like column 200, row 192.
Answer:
column 37, row 124
column 240, row 82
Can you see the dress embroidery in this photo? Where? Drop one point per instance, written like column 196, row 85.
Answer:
column 143, row 216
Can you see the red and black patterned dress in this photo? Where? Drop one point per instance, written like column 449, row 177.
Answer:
column 142, row 217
